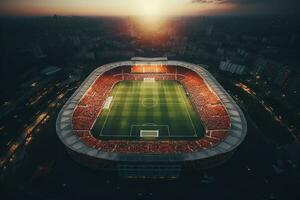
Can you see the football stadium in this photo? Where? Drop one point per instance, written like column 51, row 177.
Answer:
column 151, row 118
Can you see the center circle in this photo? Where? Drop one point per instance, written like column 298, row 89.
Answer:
column 149, row 102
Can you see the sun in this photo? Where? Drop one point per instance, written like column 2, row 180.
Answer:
column 151, row 8
column 151, row 14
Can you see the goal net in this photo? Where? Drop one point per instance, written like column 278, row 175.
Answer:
column 149, row 133
column 149, row 80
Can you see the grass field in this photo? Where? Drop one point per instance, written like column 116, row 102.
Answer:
column 139, row 105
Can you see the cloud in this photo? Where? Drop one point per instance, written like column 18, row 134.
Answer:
column 247, row 2
column 208, row 1
column 258, row 6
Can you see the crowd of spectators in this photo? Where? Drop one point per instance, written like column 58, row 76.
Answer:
column 207, row 104
column 91, row 104
column 149, row 69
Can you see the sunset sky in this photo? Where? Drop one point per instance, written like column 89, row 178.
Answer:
column 147, row 7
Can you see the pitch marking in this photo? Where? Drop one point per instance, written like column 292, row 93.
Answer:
column 187, row 111
column 108, row 112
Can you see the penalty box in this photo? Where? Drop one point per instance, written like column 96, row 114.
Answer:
column 150, row 130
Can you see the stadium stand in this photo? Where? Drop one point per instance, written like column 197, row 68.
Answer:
column 209, row 107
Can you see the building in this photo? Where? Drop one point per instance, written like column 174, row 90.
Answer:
column 131, row 155
column 232, row 67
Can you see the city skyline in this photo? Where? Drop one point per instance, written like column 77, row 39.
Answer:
column 147, row 8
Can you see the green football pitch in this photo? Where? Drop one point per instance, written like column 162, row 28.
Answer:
column 159, row 106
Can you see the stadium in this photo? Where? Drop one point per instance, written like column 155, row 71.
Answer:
column 151, row 118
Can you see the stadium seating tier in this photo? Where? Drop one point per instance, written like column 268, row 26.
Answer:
column 210, row 109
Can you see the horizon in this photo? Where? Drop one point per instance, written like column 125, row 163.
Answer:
column 144, row 8
column 149, row 105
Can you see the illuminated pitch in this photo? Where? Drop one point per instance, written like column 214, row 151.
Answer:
column 148, row 105
column 188, row 119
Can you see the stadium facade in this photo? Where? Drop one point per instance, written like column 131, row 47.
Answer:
column 224, row 123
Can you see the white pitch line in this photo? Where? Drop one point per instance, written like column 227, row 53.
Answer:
column 169, row 131
column 149, row 103
column 112, row 103
column 188, row 112
column 130, row 130
column 167, row 136
column 153, row 125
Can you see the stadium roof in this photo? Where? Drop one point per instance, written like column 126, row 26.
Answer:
column 235, row 136
column 143, row 59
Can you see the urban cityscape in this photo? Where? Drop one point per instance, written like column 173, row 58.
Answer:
column 251, row 49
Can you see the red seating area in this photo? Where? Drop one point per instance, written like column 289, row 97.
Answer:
column 214, row 110
column 217, row 122
column 151, row 69
column 90, row 105
column 217, row 134
column 145, row 75
column 209, row 107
